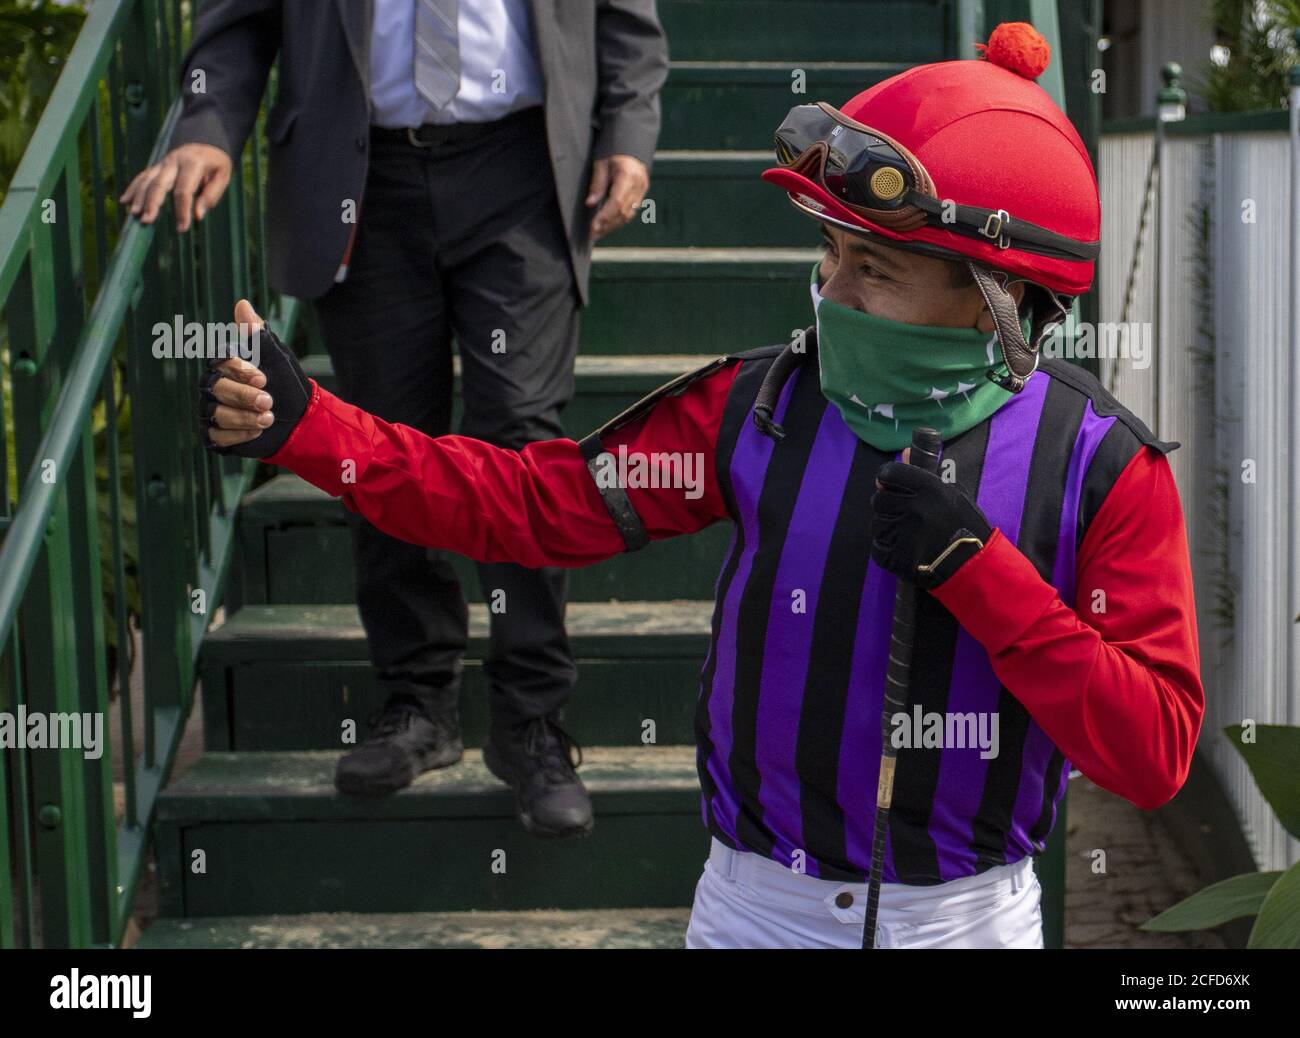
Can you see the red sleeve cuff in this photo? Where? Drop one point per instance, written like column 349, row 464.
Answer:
column 997, row 595
column 284, row 455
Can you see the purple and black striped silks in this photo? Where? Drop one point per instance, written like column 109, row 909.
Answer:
column 788, row 719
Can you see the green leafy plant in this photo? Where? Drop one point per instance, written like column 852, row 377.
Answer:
column 1224, row 583
column 130, row 541
column 1273, row 898
column 35, row 38
column 1256, row 36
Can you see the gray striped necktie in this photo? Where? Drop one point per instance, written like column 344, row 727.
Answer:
column 437, row 51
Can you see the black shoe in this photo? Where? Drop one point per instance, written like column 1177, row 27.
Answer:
column 536, row 759
column 403, row 742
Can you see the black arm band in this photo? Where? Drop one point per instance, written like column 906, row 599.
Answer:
column 615, row 497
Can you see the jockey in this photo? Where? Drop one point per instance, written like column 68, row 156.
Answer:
column 1055, row 624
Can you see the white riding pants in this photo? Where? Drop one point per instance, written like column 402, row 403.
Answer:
column 745, row 900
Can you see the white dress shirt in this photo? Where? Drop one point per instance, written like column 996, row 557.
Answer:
column 499, row 69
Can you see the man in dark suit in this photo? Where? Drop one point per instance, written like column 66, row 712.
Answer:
column 437, row 169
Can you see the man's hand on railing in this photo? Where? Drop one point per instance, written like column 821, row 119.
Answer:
column 236, row 398
column 195, row 174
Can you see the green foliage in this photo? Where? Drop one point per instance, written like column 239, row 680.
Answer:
column 1218, row 903
column 126, row 486
column 35, row 38
column 1224, row 584
column 1271, row 754
column 1257, row 35
column 1273, row 898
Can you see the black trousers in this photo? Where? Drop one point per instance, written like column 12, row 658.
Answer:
column 462, row 239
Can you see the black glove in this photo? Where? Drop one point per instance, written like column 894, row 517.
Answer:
column 285, row 382
column 916, row 518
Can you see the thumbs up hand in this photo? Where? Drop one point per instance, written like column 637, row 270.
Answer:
column 250, row 410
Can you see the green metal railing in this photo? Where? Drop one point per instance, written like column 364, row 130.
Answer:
column 80, row 292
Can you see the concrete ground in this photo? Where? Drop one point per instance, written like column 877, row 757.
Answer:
column 1144, row 873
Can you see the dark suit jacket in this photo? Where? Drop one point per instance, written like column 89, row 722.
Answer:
column 602, row 61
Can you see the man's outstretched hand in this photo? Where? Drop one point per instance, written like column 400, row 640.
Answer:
column 250, row 411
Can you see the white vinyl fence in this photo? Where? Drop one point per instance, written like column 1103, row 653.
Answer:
column 1221, row 383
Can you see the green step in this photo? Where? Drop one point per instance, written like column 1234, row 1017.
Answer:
column 696, row 300
column 739, row 104
column 604, row 385
column 295, row 548
column 791, row 30
column 656, row 301
column 276, row 837
column 289, row 677
column 714, row 199
column 617, row 928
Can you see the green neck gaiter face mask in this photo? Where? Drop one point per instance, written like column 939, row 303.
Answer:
column 887, row 377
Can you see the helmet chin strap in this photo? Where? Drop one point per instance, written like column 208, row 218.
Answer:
column 1021, row 357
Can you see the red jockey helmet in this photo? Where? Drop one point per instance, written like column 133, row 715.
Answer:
column 998, row 173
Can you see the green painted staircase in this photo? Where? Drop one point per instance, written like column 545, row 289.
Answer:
column 255, row 848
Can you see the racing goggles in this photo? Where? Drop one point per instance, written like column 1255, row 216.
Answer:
column 874, row 176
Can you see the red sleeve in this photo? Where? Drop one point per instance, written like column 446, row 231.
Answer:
column 537, row 507
column 1115, row 681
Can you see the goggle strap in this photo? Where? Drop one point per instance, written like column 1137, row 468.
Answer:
column 992, row 225
column 999, row 227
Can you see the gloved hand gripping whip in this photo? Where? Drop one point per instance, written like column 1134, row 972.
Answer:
column 923, row 529
column 287, row 385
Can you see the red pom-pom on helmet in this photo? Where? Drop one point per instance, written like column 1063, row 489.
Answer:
column 1017, row 46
